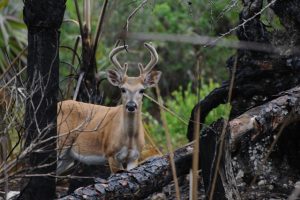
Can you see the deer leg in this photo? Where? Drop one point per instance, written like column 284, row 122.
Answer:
column 132, row 165
column 114, row 165
column 64, row 161
column 126, row 158
column 133, row 156
column 116, row 162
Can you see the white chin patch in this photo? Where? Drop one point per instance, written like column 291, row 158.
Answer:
column 89, row 159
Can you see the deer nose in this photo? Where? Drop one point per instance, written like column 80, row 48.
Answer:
column 131, row 106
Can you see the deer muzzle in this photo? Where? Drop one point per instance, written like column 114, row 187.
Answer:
column 131, row 106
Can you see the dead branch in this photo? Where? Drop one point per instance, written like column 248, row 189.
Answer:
column 265, row 118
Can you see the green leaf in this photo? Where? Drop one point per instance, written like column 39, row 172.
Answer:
column 3, row 4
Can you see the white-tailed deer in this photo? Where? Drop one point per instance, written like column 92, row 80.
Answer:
column 93, row 133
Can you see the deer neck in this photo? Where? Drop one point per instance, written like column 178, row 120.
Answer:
column 132, row 122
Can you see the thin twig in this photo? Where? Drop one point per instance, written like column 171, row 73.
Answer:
column 220, row 150
column 185, row 122
column 87, row 14
column 151, row 141
column 242, row 24
column 195, row 165
column 126, row 26
column 71, row 21
column 75, row 54
column 78, row 86
column 68, row 93
column 13, row 62
column 207, row 40
column 99, row 28
column 79, row 18
column 169, row 144
column 8, row 82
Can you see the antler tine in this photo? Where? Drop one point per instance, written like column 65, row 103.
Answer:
column 113, row 58
column 153, row 61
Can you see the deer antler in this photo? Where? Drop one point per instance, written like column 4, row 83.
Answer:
column 153, row 61
column 113, row 58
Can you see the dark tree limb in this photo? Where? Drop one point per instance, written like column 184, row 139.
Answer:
column 215, row 98
column 289, row 15
column 208, row 154
column 210, row 143
column 265, row 118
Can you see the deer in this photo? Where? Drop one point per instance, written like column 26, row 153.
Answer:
column 94, row 134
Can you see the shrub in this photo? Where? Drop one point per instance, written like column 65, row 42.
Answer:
column 182, row 102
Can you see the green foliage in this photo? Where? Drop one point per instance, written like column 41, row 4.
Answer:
column 177, row 60
column 70, row 32
column 13, row 34
column 192, row 18
column 3, row 4
column 182, row 102
column 199, row 17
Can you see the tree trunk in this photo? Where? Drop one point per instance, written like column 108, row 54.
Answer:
column 43, row 19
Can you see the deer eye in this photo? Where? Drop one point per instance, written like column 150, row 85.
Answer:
column 123, row 90
column 142, row 91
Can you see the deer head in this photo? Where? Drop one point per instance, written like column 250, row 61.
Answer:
column 132, row 88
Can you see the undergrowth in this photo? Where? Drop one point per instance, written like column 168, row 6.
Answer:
column 182, row 102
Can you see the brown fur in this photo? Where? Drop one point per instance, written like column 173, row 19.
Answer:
column 97, row 130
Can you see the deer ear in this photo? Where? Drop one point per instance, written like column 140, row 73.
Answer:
column 114, row 77
column 152, row 78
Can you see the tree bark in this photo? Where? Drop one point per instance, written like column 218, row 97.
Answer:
column 155, row 173
column 266, row 118
column 258, row 75
column 246, row 129
column 139, row 182
column 43, row 19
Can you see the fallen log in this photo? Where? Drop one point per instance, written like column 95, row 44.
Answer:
column 155, row 173
column 265, row 118
column 149, row 177
column 248, row 128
